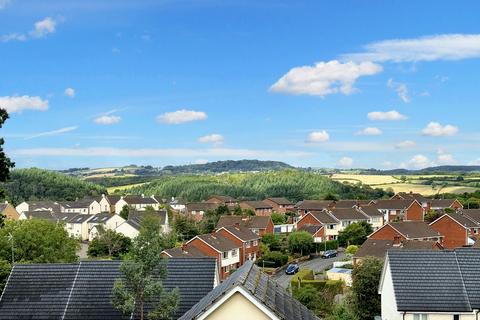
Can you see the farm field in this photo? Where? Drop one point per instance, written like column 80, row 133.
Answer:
column 425, row 189
column 111, row 190
column 371, row 180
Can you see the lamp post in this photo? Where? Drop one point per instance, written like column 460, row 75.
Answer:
column 10, row 238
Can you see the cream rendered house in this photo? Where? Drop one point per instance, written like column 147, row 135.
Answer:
column 83, row 206
column 105, row 221
column 137, row 203
column 244, row 295
column 107, row 203
column 77, row 226
column 431, row 285
column 131, row 227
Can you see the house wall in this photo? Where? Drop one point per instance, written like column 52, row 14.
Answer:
column 389, row 304
column 237, row 307
column 105, row 205
column 78, row 230
column 456, row 205
column 245, row 249
column 441, row 316
column 376, row 222
column 308, row 219
column 95, row 208
column 22, row 207
column 10, row 212
column 119, row 205
column 127, row 230
column 386, row 233
column 454, row 234
column 414, row 212
column 269, row 228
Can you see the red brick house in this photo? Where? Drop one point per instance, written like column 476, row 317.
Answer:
column 305, row 206
column 223, row 200
column 457, row 230
column 259, row 207
column 321, row 218
column 412, row 196
column 256, row 224
column 281, row 205
column 219, row 247
column 400, row 210
column 317, row 232
column 246, row 239
column 440, row 204
column 197, row 209
column 407, row 230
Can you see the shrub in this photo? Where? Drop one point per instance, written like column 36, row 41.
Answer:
column 330, row 245
column 351, row 249
column 300, row 242
column 273, row 259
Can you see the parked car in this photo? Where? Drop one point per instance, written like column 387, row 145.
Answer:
column 292, row 268
column 329, row 254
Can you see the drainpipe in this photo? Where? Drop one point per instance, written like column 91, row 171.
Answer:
column 476, row 314
column 405, row 313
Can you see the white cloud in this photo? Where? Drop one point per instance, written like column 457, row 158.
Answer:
column 369, row 131
column 4, row 3
column 168, row 153
column 53, row 133
column 216, row 139
column 318, row 136
column 428, row 48
column 444, row 158
column 345, row 162
column 200, row 161
column 324, row 78
column 20, row 103
column 107, row 119
column 40, row 30
column 405, row 144
column 435, row 129
column 69, row 92
column 418, row 161
column 386, row 116
column 387, row 164
column 181, row 116
column 400, row 88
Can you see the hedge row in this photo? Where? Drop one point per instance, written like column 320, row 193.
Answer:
column 331, row 245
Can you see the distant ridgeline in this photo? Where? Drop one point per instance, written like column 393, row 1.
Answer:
column 425, row 171
column 39, row 184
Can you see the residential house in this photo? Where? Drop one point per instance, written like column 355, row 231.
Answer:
column 83, row 206
column 412, row 196
column 183, row 252
column 248, row 241
column 431, row 285
column 131, row 227
column 457, row 229
column 400, row 210
column 223, row 200
column 378, row 247
column 440, row 204
column 177, row 204
column 8, row 211
column 259, row 207
column 104, row 221
column 77, row 226
column 83, row 290
column 407, row 230
column 317, row 231
column 258, row 225
column 249, row 294
column 137, row 203
column 48, row 215
column 376, row 217
column 348, row 203
column 321, row 218
column 42, row 205
column 198, row 209
column 219, row 247
column 107, row 202
column 305, row 206
column 281, row 205
column 347, row 216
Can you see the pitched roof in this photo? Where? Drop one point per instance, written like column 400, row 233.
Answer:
column 241, row 232
column 49, row 215
column 463, row 220
column 43, row 204
column 347, row 214
column 411, row 195
column 415, row 229
column 255, row 222
column 265, row 290
column 349, row 203
column 323, row 217
column 312, row 229
column 371, row 211
column 217, row 241
column 79, row 218
column 281, row 201
column 224, row 198
column 393, row 204
column 66, row 291
column 101, row 217
column 135, row 218
column 111, row 198
column 187, row 252
column 473, row 214
column 257, row 204
column 133, row 199
column 3, row 206
column 436, row 281
column 441, row 203
column 313, row 205
column 201, row 206
column 78, row 204
column 378, row 248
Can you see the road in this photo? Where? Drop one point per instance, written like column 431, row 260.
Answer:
column 316, row 264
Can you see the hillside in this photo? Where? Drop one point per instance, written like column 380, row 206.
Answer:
column 293, row 184
column 30, row 184
column 426, row 171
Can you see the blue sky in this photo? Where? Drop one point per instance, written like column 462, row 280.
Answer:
column 343, row 84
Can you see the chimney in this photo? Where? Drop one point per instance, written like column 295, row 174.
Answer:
column 397, row 241
column 237, row 225
column 6, row 202
column 184, row 247
column 103, row 195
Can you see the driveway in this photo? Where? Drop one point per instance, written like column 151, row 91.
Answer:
column 316, row 264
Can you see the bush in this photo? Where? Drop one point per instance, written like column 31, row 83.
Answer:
column 351, row 249
column 330, row 245
column 278, row 218
column 273, row 259
column 300, row 242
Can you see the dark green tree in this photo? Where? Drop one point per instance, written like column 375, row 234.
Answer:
column 365, row 279
column 124, row 212
column 300, row 242
column 141, row 285
column 185, row 227
column 5, row 163
column 354, row 234
column 278, row 218
column 109, row 244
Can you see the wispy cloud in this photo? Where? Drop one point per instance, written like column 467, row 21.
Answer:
column 324, row 78
column 216, row 139
column 405, row 144
column 20, row 103
column 4, row 3
column 40, row 30
column 53, row 133
column 427, row 48
column 369, row 131
column 400, row 88
column 392, row 115
column 181, row 116
column 107, row 119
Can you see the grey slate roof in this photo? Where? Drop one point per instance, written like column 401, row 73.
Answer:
column 436, row 281
column 79, row 218
column 218, row 241
column 473, row 214
column 313, row 204
column 244, row 233
column 324, row 217
column 101, row 217
column 82, row 291
column 281, row 201
column 187, row 252
column 257, row 204
column 135, row 217
column 347, row 214
column 393, row 204
column 255, row 222
column 133, row 199
column 44, row 204
column 262, row 287
column 371, row 211
column 415, row 229
column 441, row 203
column 312, row 229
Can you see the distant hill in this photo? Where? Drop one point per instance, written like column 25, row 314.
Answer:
column 39, row 184
column 228, row 166
column 430, row 170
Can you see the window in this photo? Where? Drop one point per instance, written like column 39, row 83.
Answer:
column 420, row 317
column 456, row 317
column 255, row 243
column 234, row 253
column 331, row 226
column 248, row 244
column 225, row 255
